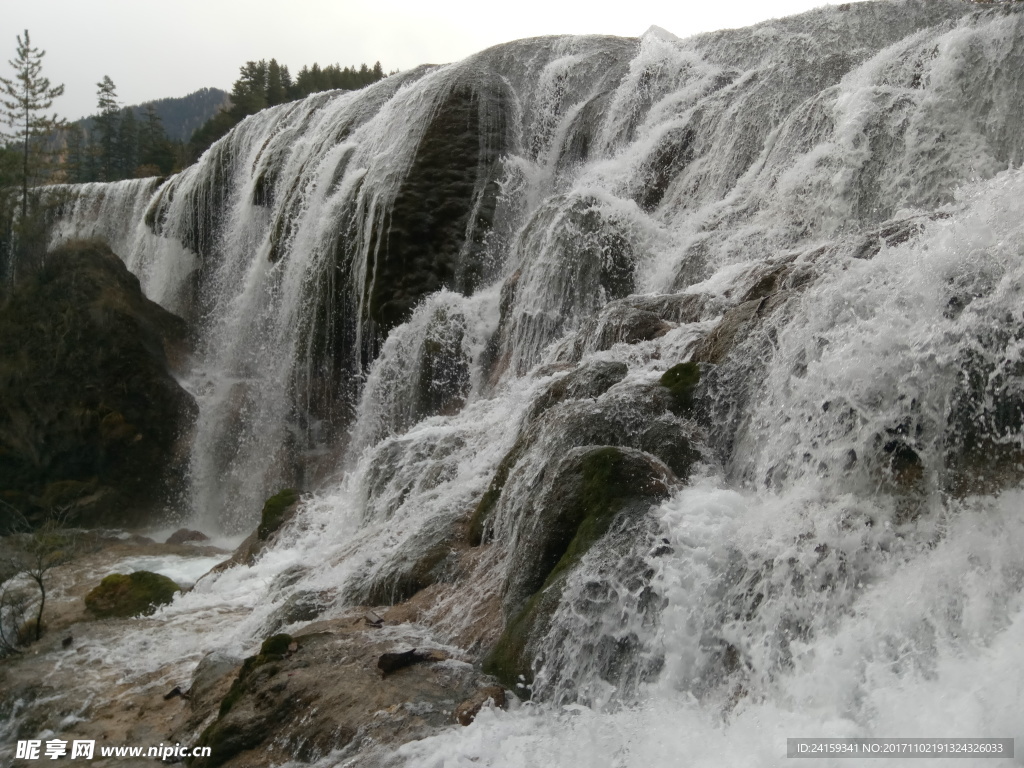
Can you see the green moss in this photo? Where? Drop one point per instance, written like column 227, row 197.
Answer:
column 606, row 484
column 273, row 512
column 607, row 479
column 273, row 649
column 509, row 661
column 133, row 594
column 490, row 498
column 276, row 644
column 681, row 380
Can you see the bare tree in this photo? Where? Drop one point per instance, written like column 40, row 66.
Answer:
column 37, row 553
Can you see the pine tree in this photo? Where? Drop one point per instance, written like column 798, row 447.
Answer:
column 25, row 99
column 127, row 148
column 276, row 91
column 249, row 93
column 76, row 162
column 107, row 124
column 156, row 154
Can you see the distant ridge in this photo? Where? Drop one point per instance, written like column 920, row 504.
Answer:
column 180, row 115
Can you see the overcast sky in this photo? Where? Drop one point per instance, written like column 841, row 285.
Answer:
column 152, row 50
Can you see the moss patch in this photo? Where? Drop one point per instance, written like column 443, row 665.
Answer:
column 681, row 380
column 592, row 490
column 121, row 595
column 274, row 512
column 490, row 498
column 607, row 480
column 510, row 660
column 225, row 738
column 274, row 648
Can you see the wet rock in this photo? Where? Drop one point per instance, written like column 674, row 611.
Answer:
column 289, row 577
column 734, row 326
column 389, row 663
column 133, row 594
column 467, row 711
column 304, row 605
column 589, row 489
column 675, row 307
column 277, row 511
column 681, row 381
column 893, row 233
column 670, row 156
column 212, row 678
column 91, row 418
column 184, row 536
column 588, row 381
column 638, row 417
column 450, row 190
column 628, row 325
column 329, row 694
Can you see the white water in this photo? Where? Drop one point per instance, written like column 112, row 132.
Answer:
column 843, row 614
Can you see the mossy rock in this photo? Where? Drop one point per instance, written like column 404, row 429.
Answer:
column 681, row 380
column 487, row 503
column 591, row 487
column 227, row 737
column 511, row 658
column 274, row 512
column 121, row 595
column 276, row 644
column 274, row 648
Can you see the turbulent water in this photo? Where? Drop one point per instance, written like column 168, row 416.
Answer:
column 379, row 330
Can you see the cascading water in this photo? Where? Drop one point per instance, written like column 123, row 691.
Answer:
column 436, row 295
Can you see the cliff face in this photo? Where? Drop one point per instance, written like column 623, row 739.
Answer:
column 91, row 418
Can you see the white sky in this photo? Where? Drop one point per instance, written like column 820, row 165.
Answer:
column 152, row 50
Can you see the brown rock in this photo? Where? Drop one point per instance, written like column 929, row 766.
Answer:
column 392, row 662
column 467, row 711
column 184, row 535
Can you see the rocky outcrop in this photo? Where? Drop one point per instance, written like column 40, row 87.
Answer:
column 434, row 236
column 278, row 510
column 576, row 411
column 339, row 686
column 91, row 418
column 592, row 486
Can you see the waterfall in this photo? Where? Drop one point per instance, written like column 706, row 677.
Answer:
column 427, row 299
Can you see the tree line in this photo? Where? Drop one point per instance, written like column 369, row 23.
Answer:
column 116, row 144
column 263, row 84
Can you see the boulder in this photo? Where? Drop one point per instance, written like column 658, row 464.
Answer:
column 185, row 536
column 639, row 417
column 303, row 696
column 91, row 418
column 122, row 595
column 467, row 711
